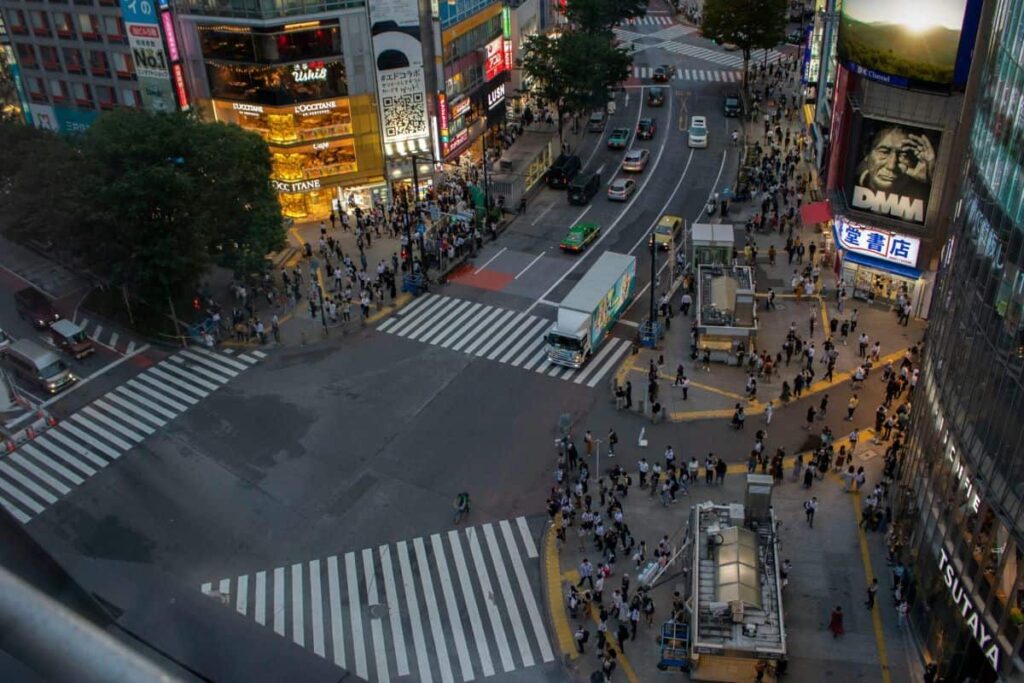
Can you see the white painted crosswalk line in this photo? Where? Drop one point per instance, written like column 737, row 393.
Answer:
column 594, row 363
column 531, row 334
column 120, row 414
column 114, row 336
column 15, row 511
column 220, row 358
column 438, row 322
column 82, row 422
column 113, row 424
column 417, row 317
column 199, row 359
column 394, row 612
column 26, row 501
column 97, row 332
column 409, row 588
column 186, row 385
column 493, row 613
column 188, row 375
column 13, row 475
column 298, row 622
column 279, row 601
column 153, row 407
column 471, row 331
column 356, row 614
column 380, row 653
column 165, row 397
column 457, row 325
column 259, row 354
column 242, row 597
column 526, row 590
column 59, row 437
column 487, row 332
column 260, row 599
column 199, row 370
column 540, row 359
column 507, row 334
column 437, row 629
column 456, row 329
column 135, row 410
column 247, row 358
column 454, row 615
column 160, row 386
column 613, row 359
column 430, row 318
column 316, row 608
column 469, row 599
column 49, row 449
column 28, row 466
column 524, row 531
column 130, row 349
column 337, row 622
column 512, row 609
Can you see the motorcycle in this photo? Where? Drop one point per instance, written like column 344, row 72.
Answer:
column 711, row 206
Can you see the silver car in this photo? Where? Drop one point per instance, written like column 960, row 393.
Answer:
column 621, row 189
column 636, row 160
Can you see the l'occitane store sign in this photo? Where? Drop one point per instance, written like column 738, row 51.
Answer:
column 292, row 124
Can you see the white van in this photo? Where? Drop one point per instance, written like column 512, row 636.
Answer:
column 39, row 366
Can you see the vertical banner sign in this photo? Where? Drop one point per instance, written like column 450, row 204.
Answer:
column 495, row 63
column 401, row 85
column 147, row 48
column 442, row 121
column 171, row 40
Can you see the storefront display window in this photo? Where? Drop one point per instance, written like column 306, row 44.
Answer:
column 318, row 160
column 290, row 125
column 285, row 84
column 271, row 45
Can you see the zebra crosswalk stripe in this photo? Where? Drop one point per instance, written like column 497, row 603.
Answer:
column 435, row 631
column 455, row 331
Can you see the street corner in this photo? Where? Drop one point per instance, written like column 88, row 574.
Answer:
column 551, row 569
column 400, row 302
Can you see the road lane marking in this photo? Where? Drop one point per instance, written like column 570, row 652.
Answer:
column 437, row 629
column 524, row 531
column 491, row 260
column 528, row 266
column 456, row 329
column 316, row 607
column 260, row 603
column 454, row 615
column 380, row 653
column 242, row 599
column 479, row 635
column 415, row 619
column 527, row 592
column 279, row 601
column 394, row 612
column 337, row 624
column 512, row 609
column 493, row 613
column 355, row 613
column 539, row 216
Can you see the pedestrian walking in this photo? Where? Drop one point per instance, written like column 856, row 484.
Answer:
column 835, row 622
column 872, row 591
column 586, row 573
column 581, row 636
column 613, row 439
column 810, row 507
column 769, row 410
column 588, row 441
column 851, row 406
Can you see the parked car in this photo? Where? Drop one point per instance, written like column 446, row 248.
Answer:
column 597, row 122
column 636, row 160
column 583, row 187
column 579, row 236
column 619, row 138
column 646, row 129
column 698, row 132
column 35, row 307
column 621, row 189
column 655, row 96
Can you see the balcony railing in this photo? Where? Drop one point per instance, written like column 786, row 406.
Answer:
column 266, row 9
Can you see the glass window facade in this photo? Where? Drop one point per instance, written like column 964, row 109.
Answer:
column 961, row 498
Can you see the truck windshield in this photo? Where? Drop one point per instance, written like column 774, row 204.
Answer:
column 570, row 343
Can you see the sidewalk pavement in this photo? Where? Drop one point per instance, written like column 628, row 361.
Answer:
column 833, row 563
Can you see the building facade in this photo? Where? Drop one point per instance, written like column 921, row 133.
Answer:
column 73, row 59
column 960, row 506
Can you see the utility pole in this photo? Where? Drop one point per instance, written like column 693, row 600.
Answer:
column 487, row 185
column 654, row 275
column 416, row 212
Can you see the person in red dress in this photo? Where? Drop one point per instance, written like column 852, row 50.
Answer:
column 835, row 623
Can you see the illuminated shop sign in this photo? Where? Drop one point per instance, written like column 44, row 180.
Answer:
column 877, row 243
column 495, row 61
column 172, row 41
column 297, row 186
column 966, row 604
column 460, row 139
column 313, row 108
column 309, row 71
column 442, row 116
column 179, row 86
column 459, row 106
column 496, row 97
column 247, row 109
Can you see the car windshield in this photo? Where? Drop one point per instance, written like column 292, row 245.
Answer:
column 53, row 369
column 663, row 230
column 564, row 342
column 77, row 337
column 597, row 116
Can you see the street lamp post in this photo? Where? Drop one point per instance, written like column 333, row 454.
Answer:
column 654, row 270
column 416, row 209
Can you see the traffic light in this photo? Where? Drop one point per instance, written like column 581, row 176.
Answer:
column 196, row 304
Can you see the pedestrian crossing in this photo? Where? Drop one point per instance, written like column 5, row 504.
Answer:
column 451, row 606
column 729, row 59
column 708, row 75
column 41, row 471
column 108, row 336
column 507, row 336
column 649, row 20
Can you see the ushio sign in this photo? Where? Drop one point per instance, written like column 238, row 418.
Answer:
column 974, row 622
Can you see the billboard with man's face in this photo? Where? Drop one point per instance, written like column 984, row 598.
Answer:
column 909, row 43
column 894, row 169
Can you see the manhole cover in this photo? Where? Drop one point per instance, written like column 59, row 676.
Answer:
column 378, row 611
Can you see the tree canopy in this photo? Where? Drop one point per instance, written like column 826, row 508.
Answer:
column 150, row 201
column 599, row 16
column 748, row 24
column 574, row 71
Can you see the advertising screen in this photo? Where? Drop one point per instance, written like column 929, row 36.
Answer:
column 906, row 43
column 894, row 165
column 401, row 85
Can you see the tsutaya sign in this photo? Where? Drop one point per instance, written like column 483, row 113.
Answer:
column 975, row 624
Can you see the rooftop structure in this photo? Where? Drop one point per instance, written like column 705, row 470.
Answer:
column 736, row 592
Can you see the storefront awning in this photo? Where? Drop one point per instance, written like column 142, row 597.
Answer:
column 815, row 212
column 887, row 266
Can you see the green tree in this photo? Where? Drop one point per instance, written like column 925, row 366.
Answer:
column 748, row 24
column 599, row 16
column 166, row 196
column 38, row 170
column 575, row 71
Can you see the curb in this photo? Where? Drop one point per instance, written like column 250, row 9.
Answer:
column 551, row 574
